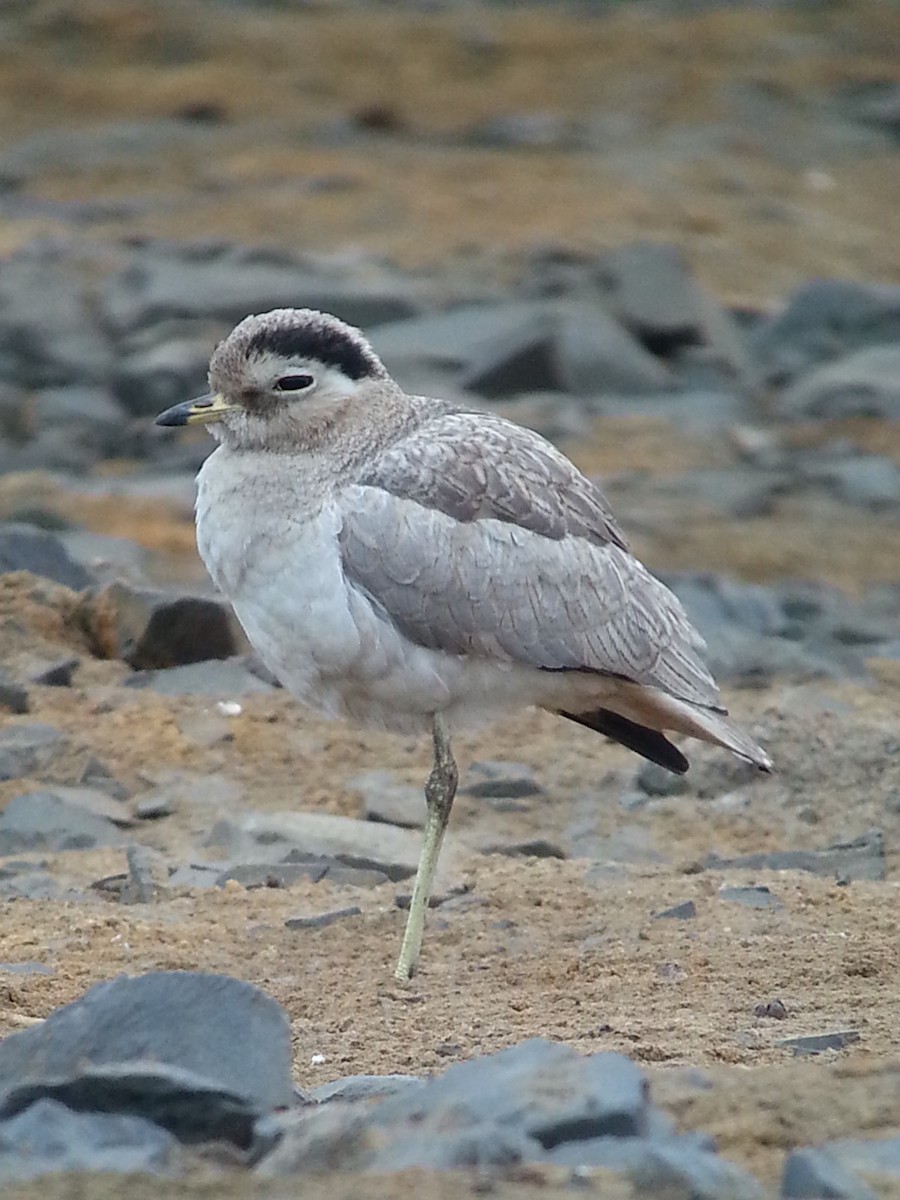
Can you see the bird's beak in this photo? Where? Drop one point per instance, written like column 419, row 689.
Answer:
column 202, row 411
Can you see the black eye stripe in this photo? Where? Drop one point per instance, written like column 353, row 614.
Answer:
column 293, row 383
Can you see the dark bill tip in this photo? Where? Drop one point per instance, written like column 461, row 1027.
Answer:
column 201, row 411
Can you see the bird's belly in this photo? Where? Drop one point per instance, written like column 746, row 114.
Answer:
column 328, row 643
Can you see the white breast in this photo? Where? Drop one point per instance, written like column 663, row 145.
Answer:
column 273, row 550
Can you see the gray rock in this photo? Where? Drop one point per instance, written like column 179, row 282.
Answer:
column 47, row 335
column 25, row 968
column 155, row 630
column 275, row 875
column 751, row 897
column 825, row 320
column 802, row 1047
column 25, row 548
column 863, row 384
column 28, row 749
column 679, row 912
column 817, row 1175
column 595, row 355
column 652, row 291
column 106, row 558
column 49, row 1137
column 44, row 821
column 876, row 1158
column 450, row 340
column 353, row 1088
column 320, row 920
column 501, row 780
column 225, row 679
column 92, row 409
column 673, row 1167
column 385, row 848
column 389, row 802
column 525, row 130
column 201, row 1055
column 202, row 282
column 566, row 347
column 869, row 480
column 530, row 848
column 654, row 780
column 861, row 858
column 150, row 380
column 546, row 1090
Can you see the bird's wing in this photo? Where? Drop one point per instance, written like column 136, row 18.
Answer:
column 475, row 536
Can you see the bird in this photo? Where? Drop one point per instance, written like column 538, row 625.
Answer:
column 410, row 564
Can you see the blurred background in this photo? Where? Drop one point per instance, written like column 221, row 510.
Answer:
column 662, row 233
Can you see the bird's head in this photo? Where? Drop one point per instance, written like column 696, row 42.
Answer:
column 280, row 377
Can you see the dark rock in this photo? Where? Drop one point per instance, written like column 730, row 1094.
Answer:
column 535, row 848
column 817, row 1175
column 44, row 821
column 353, row 1088
column 201, row 1055
column 24, row 548
column 819, row 1043
column 13, row 696
column 223, row 678
column 679, row 912
column 28, row 749
column 825, row 320
column 49, row 1137
column 751, row 897
column 863, row 384
column 322, row 919
column 501, row 780
column 57, row 673
column 155, row 630
column 862, row 858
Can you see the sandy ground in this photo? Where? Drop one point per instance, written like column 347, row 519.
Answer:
column 536, row 946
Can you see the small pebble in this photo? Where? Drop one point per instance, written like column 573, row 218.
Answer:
column 772, row 1008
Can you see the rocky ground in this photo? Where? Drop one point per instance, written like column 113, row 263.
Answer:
column 655, row 234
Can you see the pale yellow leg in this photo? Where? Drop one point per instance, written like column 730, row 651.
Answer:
column 439, row 793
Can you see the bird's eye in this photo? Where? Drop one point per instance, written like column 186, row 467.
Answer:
column 293, row 383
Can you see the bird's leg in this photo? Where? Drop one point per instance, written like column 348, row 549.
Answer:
column 439, row 792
